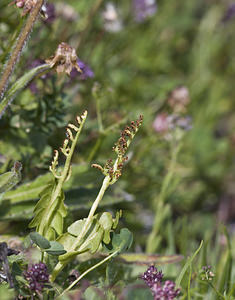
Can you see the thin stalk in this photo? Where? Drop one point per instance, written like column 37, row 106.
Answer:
column 170, row 174
column 216, row 291
column 161, row 211
column 21, row 41
column 106, row 182
column 96, row 147
column 88, row 271
column 99, row 116
column 59, row 267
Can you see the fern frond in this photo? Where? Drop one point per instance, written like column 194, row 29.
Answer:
column 50, row 210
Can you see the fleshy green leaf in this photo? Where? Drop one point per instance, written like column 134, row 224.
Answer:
column 123, row 240
column 39, row 240
column 55, row 249
column 42, row 210
column 98, row 232
column 120, row 242
column 91, row 240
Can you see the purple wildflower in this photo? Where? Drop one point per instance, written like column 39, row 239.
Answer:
column 166, row 124
column 144, row 9
column 37, row 275
column 166, row 291
column 86, row 71
column 152, row 276
column 230, row 13
column 50, row 15
column 160, row 291
column 161, row 124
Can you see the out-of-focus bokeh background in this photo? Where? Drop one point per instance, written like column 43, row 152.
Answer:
column 173, row 59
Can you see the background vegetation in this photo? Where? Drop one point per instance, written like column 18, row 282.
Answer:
column 189, row 43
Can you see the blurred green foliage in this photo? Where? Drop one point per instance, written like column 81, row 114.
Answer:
column 184, row 43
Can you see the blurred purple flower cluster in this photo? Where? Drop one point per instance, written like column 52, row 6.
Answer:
column 144, row 9
column 160, row 290
column 37, row 276
column 168, row 124
column 164, row 122
column 230, row 13
column 86, row 71
column 50, row 14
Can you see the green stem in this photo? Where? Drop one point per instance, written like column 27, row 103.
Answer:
column 95, row 148
column 59, row 267
column 88, row 271
column 42, row 256
column 106, row 182
column 168, row 178
column 161, row 210
column 216, row 291
column 21, row 41
column 99, row 116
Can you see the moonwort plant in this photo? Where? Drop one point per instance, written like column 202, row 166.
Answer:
column 91, row 233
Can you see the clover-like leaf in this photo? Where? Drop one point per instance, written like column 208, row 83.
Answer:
column 99, row 231
column 55, row 248
column 120, row 242
column 39, row 240
column 108, row 223
column 91, row 241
